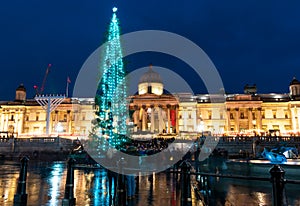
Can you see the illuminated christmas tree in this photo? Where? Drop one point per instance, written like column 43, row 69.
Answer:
column 111, row 93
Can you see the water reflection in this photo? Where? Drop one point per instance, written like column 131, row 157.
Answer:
column 55, row 183
column 157, row 189
column 9, row 174
column 238, row 195
column 46, row 184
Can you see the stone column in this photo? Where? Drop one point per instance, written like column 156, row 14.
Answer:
column 177, row 120
column 144, row 118
column 164, row 120
column 21, row 122
column 6, row 122
column 169, row 119
column 298, row 119
column 140, row 118
column 237, row 129
column 51, row 121
column 56, row 117
column 15, row 122
column 259, row 120
column 2, row 121
column 160, row 120
column 184, row 117
column 228, row 126
column 17, row 117
column 152, row 118
column 293, row 119
column 68, row 122
column 250, row 118
column 194, row 116
column 137, row 119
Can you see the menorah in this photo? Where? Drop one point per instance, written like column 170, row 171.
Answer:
column 49, row 103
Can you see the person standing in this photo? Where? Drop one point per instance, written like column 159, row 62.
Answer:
column 111, row 175
column 130, row 186
column 130, row 176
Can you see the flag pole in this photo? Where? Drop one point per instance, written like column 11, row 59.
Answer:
column 67, row 89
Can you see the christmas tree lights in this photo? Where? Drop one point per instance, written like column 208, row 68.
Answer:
column 112, row 91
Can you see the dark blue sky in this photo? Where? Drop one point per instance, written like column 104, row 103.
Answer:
column 248, row 41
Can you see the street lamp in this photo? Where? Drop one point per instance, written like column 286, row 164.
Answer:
column 59, row 128
column 201, row 127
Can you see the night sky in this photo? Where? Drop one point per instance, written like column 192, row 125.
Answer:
column 254, row 42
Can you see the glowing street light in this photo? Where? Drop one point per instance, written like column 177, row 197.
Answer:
column 59, row 128
column 201, row 127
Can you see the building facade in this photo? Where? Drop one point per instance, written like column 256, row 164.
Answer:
column 154, row 111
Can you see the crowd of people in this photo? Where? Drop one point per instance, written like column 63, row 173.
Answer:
column 149, row 147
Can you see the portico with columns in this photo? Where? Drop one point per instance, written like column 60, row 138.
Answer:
column 152, row 109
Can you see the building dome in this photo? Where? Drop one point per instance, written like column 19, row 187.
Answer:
column 294, row 81
column 150, row 83
column 150, row 77
column 295, row 88
column 20, row 93
column 21, row 88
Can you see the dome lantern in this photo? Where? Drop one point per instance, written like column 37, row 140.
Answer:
column 294, row 88
column 20, row 93
column 150, row 83
column 150, row 77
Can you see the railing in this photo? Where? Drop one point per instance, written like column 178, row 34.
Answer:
column 5, row 139
column 259, row 138
column 276, row 178
column 13, row 146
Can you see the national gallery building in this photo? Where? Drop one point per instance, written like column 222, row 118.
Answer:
column 155, row 112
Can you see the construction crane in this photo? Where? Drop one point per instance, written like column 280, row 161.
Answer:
column 41, row 90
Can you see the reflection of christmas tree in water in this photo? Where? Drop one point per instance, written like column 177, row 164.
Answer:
column 111, row 94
